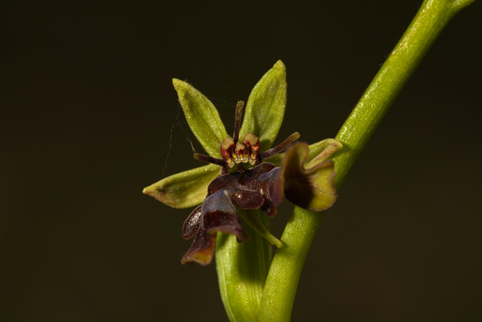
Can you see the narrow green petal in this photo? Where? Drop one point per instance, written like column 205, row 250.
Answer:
column 185, row 189
column 202, row 117
column 266, row 106
column 321, row 151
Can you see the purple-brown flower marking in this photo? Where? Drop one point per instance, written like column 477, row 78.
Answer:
column 260, row 185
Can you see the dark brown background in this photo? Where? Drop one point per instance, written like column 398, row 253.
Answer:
column 88, row 117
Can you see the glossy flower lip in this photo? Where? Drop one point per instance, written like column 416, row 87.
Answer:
column 262, row 185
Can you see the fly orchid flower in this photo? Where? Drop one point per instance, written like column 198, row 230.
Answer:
column 238, row 175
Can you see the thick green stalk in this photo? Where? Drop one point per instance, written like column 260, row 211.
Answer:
column 242, row 269
column 430, row 20
column 283, row 276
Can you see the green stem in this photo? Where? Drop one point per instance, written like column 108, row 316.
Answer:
column 242, row 270
column 283, row 276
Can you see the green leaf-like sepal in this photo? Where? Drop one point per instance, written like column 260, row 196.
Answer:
column 311, row 188
column 203, row 118
column 266, row 106
column 185, row 189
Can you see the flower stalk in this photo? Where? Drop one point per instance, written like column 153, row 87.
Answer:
column 281, row 284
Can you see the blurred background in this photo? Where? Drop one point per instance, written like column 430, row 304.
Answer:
column 89, row 117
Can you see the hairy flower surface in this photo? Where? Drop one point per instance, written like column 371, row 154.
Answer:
column 238, row 175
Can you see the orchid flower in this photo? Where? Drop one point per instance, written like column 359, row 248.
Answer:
column 244, row 172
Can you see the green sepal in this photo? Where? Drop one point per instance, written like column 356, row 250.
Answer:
column 266, row 106
column 203, row 118
column 185, row 189
column 242, row 269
